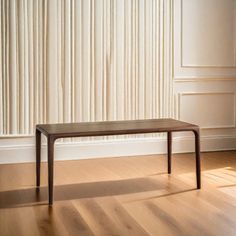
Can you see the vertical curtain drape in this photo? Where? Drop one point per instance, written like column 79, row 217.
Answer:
column 83, row 60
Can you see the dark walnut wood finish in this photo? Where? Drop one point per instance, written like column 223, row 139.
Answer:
column 85, row 129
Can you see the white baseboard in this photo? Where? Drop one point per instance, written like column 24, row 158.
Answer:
column 20, row 150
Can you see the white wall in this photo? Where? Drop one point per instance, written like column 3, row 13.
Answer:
column 205, row 67
column 118, row 60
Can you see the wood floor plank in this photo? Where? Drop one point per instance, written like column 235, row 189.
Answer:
column 72, row 220
column 27, row 226
column 122, row 196
column 48, row 222
column 97, row 219
column 121, row 217
column 202, row 209
column 9, row 224
column 152, row 224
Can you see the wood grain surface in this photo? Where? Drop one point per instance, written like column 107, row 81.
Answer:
column 114, row 127
column 122, row 196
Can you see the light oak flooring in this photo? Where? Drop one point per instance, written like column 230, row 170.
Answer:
column 122, row 196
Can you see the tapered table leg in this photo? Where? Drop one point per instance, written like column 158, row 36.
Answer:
column 169, row 150
column 50, row 168
column 38, row 157
column 198, row 161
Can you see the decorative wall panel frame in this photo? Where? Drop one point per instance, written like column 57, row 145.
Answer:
column 204, row 66
column 182, row 73
column 233, row 125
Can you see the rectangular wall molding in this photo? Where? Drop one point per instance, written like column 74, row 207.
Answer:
column 204, row 47
column 210, row 110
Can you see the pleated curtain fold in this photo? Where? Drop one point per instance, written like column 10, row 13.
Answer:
column 84, row 60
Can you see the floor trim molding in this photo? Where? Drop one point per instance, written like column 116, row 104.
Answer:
column 23, row 150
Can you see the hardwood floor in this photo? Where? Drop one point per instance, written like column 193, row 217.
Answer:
column 122, row 196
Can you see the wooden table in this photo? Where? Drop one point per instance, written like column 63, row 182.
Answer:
column 85, row 129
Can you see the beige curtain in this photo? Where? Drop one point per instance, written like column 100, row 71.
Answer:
column 83, row 60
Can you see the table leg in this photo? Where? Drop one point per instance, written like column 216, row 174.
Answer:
column 38, row 156
column 198, row 161
column 169, row 150
column 50, row 168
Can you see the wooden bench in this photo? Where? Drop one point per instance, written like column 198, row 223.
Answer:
column 85, row 129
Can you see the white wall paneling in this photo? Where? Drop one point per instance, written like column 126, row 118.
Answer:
column 208, row 110
column 207, row 39
column 204, row 68
column 204, row 39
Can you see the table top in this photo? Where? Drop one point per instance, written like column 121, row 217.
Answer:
column 82, row 129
